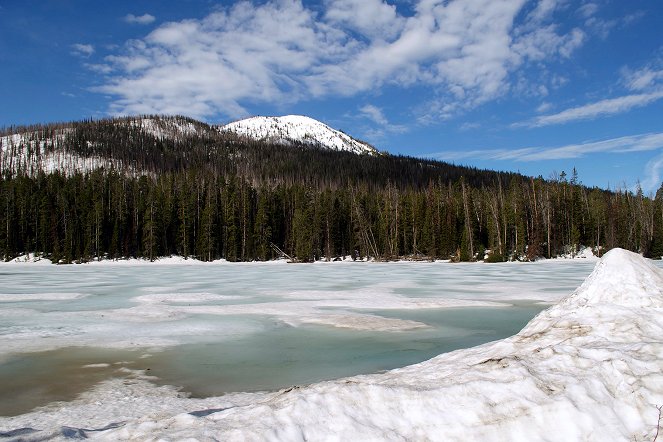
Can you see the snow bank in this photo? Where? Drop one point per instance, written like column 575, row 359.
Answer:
column 588, row 368
column 29, row 258
column 584, row 253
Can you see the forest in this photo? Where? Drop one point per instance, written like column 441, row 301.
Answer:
column 164, row 186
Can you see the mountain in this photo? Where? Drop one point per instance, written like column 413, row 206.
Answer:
column 263, row 150
column 291, row 129
column 117, row 143
column 155, row 186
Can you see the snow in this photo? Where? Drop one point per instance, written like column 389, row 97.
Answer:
column 297, row 128
column 30, row 258
column 30, row 153
column 46, row 150
column 588, row 368
column 169, row 127
column 583, row 253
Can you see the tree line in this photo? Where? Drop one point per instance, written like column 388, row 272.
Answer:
column 211, row 195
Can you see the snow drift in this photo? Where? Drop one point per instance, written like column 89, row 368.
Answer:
column 588, row 368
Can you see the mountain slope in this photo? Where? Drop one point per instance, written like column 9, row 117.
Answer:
column 297, row 129
column 147, row 145
column 83, row 147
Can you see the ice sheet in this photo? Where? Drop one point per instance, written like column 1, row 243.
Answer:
column 149, row 304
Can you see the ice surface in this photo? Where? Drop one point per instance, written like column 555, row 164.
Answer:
column 15, row 297
column 140, row 304
column 588, row 368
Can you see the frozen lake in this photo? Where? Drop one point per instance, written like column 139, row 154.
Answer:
column 215, row 328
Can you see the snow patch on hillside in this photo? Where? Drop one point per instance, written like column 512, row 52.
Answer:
column 47, row 150
column 588, row 368
column 33, row 152
column 296, row 128
column 173, row 128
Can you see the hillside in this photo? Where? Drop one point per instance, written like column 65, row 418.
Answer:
column 285, row 149
column 157, row 186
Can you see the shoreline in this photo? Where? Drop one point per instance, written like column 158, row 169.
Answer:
column 180, row 260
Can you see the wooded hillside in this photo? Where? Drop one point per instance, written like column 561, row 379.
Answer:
column 210, row 195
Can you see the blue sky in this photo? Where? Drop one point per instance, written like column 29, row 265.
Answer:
column 538, row 87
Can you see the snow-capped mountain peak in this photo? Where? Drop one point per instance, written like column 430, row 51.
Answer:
column 298, row 129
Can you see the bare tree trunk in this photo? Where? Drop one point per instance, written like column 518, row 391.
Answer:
column 468, row 220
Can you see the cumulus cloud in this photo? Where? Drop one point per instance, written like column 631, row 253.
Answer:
column 144, row 19
column 82, row 50
column 205, row 67
column 371, row 18
column 279, row 51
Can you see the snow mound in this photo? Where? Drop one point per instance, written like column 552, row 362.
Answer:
column 621, row 279
column 588, row 368
column 296, row 128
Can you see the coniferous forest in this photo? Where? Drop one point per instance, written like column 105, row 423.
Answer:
column 208, row 194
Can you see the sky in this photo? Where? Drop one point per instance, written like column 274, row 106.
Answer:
column 538, row 87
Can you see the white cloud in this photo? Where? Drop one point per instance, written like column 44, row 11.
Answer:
column 469, row 126
column 543, row 10
column 653, row 174
column 610, row 106
column 544, row 107
column 144, row 19
column 601, row 27
column 279, row 51
column 82, row 50
column 628, row 144
column 376, row 115
column 372, row 18
column 545, row 42
column 588, row 10
column 206, row 67
column 98, row 68
column 642, row 79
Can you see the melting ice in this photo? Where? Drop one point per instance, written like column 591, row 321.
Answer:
column 241, row 309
